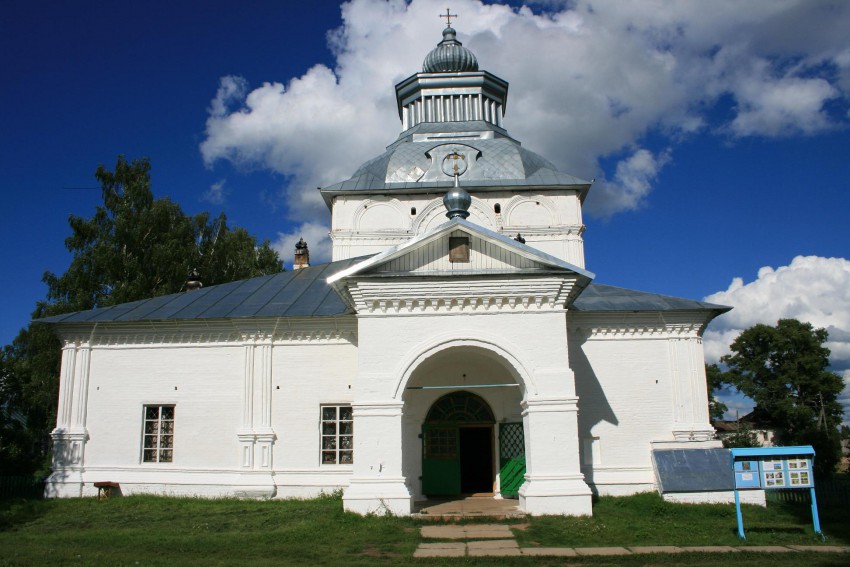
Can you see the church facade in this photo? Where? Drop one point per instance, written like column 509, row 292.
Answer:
column 456, row 344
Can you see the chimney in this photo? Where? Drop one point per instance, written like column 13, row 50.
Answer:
column 302, row 255
column 193, row 281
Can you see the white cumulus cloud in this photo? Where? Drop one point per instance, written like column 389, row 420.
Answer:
column 216, row 194
column 776, row 107
column 631, row 184
column 589, row 81
column 231, row 90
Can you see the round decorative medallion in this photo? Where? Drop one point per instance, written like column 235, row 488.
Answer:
column 454, row 164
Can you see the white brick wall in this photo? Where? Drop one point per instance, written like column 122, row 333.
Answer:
column 551, row 222
column 624, row 386
column 203, row 384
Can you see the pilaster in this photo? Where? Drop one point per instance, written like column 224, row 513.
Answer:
column 554, row 483
column 70, row 435
column 256, row 436
column 690, row 392
column 377, row 484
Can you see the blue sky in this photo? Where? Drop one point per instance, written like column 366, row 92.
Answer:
column 718, row 135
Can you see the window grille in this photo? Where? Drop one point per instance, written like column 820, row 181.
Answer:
column 460, row 407
column 337, row 435
column 158, row 435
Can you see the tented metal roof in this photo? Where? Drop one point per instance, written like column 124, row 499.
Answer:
column 502, row 163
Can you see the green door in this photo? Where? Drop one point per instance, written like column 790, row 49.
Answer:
column 440, row 460
column 511, row 458
column 442, row 466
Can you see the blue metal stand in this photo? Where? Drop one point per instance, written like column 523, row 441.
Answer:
column 815, row 518
column 771, row 468
column 740, row 517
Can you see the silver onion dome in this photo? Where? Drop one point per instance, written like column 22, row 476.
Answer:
column 450, row 56
column 457, row 202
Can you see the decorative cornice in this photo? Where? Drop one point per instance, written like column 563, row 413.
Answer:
column 231, row 332
column 394, row 235
column 398, row 235
column 554, row 230
column 637, row 325
column 324, row 336
column 694, row 434
column 413, row 295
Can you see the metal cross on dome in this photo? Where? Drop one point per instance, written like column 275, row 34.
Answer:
column 448, row 16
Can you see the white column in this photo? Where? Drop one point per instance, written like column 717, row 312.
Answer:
column 554, row 483
column 377, row 484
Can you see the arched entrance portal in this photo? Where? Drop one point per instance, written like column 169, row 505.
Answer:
column 457, row 446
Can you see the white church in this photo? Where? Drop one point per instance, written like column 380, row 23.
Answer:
column 455, row 345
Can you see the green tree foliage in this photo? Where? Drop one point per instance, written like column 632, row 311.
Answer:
column 784, row 370
column 714, row 381
column 744, row 436
column 29, row 388
column 134, row 247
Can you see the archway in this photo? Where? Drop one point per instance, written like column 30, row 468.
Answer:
column 457, row 446
column 483, row 368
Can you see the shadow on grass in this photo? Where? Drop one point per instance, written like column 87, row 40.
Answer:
column 834, row 519
column 773, row 530
column 16, row 512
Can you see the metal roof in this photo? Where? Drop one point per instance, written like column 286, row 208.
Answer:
column 599, row 297
column 306, row 293
column 502, row 163
column 450, row 56
column 299, row 293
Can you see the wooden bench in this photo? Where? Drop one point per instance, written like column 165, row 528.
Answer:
column 104, row 489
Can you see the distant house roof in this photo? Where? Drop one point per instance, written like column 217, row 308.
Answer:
column 306, row 293
column 725, row 426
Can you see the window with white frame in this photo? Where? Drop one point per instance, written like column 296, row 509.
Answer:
column 337, row 435
column 158, row 434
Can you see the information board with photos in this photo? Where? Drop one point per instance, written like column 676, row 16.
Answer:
column 773, row 471
column 770, row 468
column 791, row 472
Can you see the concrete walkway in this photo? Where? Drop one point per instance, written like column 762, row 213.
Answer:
column 497, row 540
column 468, row 507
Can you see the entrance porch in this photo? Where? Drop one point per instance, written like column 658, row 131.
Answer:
column 458, row 405
column 448, row 425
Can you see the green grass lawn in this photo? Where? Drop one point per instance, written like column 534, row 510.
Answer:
column 645, row 519
column 147, row 530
